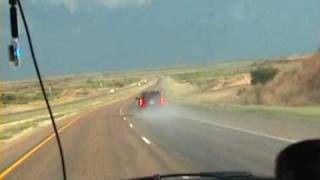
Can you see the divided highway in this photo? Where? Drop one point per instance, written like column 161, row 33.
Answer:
column 117, row 141
column 98, row 145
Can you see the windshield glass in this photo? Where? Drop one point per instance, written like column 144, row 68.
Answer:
column 144, row 87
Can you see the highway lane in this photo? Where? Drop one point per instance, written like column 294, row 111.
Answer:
column 100, row 145
column 214, row 141
column 114, row 143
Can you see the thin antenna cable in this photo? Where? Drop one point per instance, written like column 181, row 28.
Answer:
column 13, row 3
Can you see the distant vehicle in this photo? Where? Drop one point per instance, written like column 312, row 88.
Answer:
column 150, row 99
column 142, row 82
column 111, row 91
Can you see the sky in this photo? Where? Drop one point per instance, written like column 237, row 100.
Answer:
column 81, row 36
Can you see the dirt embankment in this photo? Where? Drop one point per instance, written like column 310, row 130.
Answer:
column 295, row 86
column 236, row 81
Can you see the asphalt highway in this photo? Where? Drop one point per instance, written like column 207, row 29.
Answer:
column 119, row 141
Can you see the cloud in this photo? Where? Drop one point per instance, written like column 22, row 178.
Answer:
column 73, row 5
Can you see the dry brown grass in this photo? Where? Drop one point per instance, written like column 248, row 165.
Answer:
column 296, row 86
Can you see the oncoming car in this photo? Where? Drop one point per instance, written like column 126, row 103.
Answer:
column 150, row 99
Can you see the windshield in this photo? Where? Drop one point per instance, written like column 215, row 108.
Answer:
column 145, row 87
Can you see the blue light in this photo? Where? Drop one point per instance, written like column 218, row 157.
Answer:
column 18, row 53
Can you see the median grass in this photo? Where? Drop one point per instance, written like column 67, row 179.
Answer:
column 14, row 124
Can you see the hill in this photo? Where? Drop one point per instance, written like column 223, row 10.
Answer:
column 295, row 85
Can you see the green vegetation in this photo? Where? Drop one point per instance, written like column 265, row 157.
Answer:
column 8, row 98
column 263, row 75
column 21, row 97
column 10, row 132
column 114, row 83
column 61, row 89
column 18, row 98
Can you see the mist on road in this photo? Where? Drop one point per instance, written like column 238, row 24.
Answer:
column 205, row 144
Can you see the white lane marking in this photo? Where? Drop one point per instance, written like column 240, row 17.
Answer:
column 131, row 125
column 250, row 132
column 146, row 140
column 124, row 118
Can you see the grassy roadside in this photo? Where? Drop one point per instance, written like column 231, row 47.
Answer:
column 185, row 93
column 21, row 96
column 68, row 108
column 12, row 125
column 303, row 112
